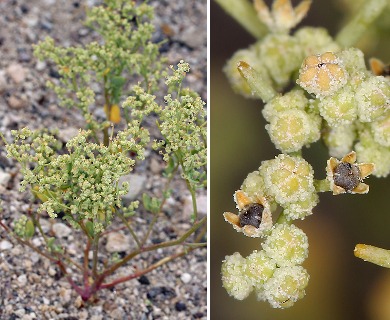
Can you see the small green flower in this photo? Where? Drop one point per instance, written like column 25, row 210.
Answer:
column 373, row 99
column 292, row 129
column 294, row 99
column 340, row 108
column 340, row 139
column 234, row 278
column 259, row 268
column 315, row 41
column 286, row 286
column 281, row 55
column 288, row 179
column 301, row 209
column 286, row 245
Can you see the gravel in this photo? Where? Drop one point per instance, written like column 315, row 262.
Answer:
column 32, row 287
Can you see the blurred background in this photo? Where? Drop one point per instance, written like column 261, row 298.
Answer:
column 341, row 286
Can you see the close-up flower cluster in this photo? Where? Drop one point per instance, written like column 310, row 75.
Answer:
column 314, row 88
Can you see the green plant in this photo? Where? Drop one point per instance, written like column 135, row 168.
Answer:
column 81, row 181
column 334, row 98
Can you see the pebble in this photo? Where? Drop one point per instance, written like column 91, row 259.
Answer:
column 137, row 184
column 22, row 279
column 68, row 133
column 192, row 37
column 4, row 178
column 155, row 166
column 16, row 103
column 61, row 230
column 40, row 65
column 201, row 204
column 117, row 242
column 17, row 73
column 5, row 245
column 3, row 81
column 186, row 278
column 180, row 306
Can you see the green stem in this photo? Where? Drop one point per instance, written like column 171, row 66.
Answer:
column 244, row 13
column 355, row 28
column 372, row 254
column 283, row 219
column 132, row 232
column 322, row 185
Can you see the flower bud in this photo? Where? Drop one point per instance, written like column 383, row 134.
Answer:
column 286, row 286
column 381, row 131
column 286, row 245
column 373, row 99
column 234, row 278
column 369, row 151
column 301, row 209
column 315, row 41
column 340, row 108
column 288, row 179
column 292, row 129
column 259, row 268
column 294, row 99
column 339, row 140
column 281, row 54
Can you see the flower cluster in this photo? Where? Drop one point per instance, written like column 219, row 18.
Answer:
column 338, row 100
column 274, row 273
column 125, row 52
column 82, row 183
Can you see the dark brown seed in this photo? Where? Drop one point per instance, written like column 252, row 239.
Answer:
column 347, row 176
column 251, row 215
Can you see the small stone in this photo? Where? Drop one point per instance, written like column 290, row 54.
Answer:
column 3, row 81
column 137, row 184
column 155, row 166
column 52, row 272
column 117, row 242
column 143, row 280
column 5, row 245
column 186, row 278
column 180, row 306
column 17, row 73
column 4, row 178
column 68, row 133
column 192, row 37
column 160, row 293
column 201, row 205
column 22, row 279
column 16, row 103
column 40, row 65
column 61, row 230
column 65, row 295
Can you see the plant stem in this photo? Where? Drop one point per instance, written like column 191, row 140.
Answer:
column 355, row 28
column 322, row 185
column 372, row 254
column 114, row 267
column 244, row 13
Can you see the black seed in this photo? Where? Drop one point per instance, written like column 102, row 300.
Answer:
column 251, row 215
column 346, row 176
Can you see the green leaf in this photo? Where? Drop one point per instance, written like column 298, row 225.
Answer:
column 29, row 229
column 89, row 227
